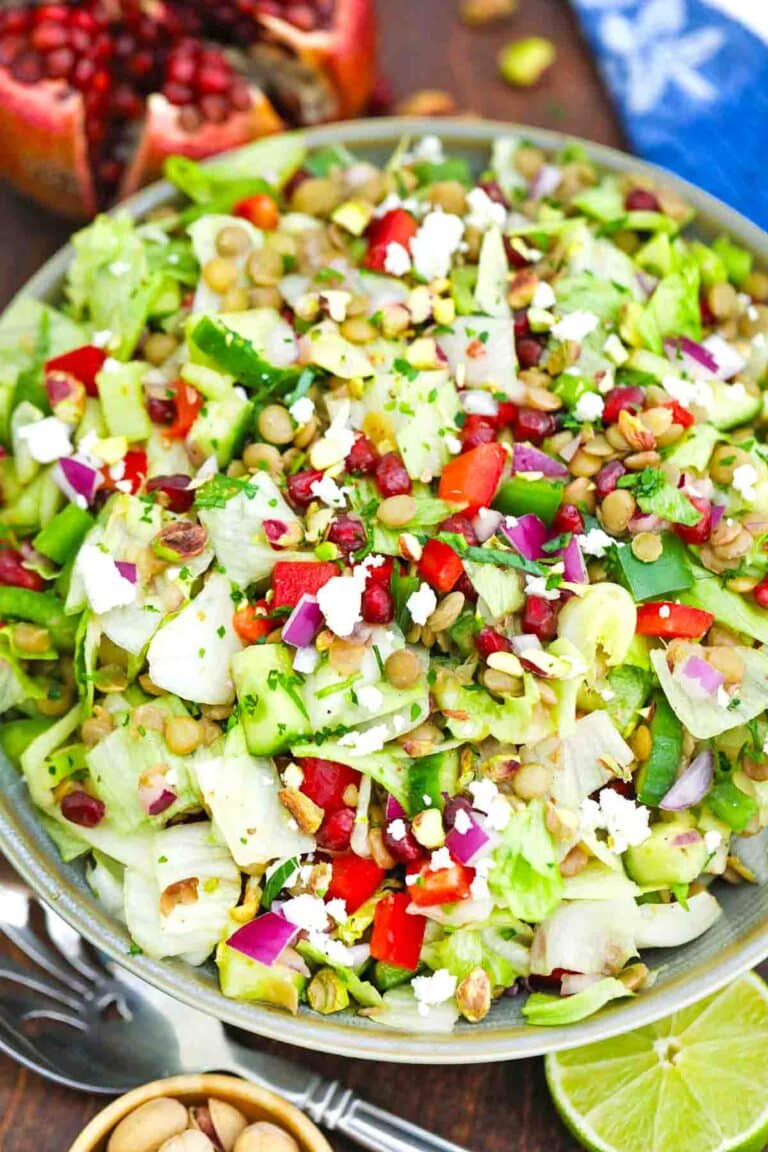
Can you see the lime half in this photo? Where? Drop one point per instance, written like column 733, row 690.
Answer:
column 695, row 1082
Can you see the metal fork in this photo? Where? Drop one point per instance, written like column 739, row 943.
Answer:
column 77, row 1019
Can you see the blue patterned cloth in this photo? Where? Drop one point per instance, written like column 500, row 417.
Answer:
column 690, row 79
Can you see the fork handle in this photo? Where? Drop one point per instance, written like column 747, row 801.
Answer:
column 339, row 1109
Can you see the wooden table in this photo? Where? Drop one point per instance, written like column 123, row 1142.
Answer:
column 492, row 1108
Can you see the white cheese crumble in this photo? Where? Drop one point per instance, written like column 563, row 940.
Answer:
column 439, row 859
column 479, row 886
column 328, row 492
column 484, row 213
column 340, row 601
column 302, row 410
column 744, row 479
column 336, row 952
column 293, row 777
column 434, row 989
column 307, row 912
column 712, row 840
column 105, row 586
column 365, row 743
column 625, row 821
column 488, row 800
column 433, row 246
column 397, row 260
column 575, row 326
column 369, row 697
column 595, row 542
column 337, row 300
column 46, row 440
column 337, row 910
column 462, row 822
column 688, row 392
column 429, row 149
column 589, row 406
column 306, row 660
column 537, row 586
column 397, row 830
column 421, row 603
column 544, row 296
column 453, row 444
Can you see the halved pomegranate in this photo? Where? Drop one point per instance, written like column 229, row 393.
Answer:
column 95, row 95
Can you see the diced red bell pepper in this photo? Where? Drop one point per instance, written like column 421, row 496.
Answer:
column 680, row 415
column 395, row 227
column 381, row 573
column 760, row 593
column 326, row 781
column 291, row 579
column 83, row 363
column 13, row 574
column 134, row 472
column 671, row 621
column 473, row 477
column 251, row 622
column 701, row 531
column 440, row 566
column 397, row 936
column 261, row 210
column 439, row 885
column 187, row 402
column 354, row 879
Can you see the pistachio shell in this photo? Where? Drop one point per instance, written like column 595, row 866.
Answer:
column 149, row 1127
column 265, row 1137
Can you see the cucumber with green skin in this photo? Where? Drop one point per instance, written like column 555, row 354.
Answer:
column 659, row 772
column 430, row 778
column 237, row 356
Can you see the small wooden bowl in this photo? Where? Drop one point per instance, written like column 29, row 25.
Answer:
column 255, row 1103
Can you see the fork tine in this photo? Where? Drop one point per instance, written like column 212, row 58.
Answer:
column 23, row 1051
column 13, row 976
column 18, row 911
column 72, row 947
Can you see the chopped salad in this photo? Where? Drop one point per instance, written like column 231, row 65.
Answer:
column 384, row 581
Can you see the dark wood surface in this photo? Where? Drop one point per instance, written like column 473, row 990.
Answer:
column 491, row 1108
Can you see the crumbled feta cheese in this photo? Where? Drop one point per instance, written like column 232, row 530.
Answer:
column 105, row 586
column 537, row 586
column 744, row 479
column 589, row 406
column 337, row 442
column 543, row 296
column 575, row 326
column 329, row 492
column 723, row 699
column 369, row 697
column 302, row 410
column 307, row 912
column 306, row 660
column 101, row 338
column 393, row 201
column 433, row 246
column 484, row 213
column 434, row 989
column 462, row 822
column 479, row 887
column 397, row 260
column 46, row 440
column 421, row 603
column 712, row 840
column 293, row 777
column 453, row 444
column 477, row 402
column 625, row 821
column 335, row 951
column 688, row 392
column 488, row 800
column 397, row 830
column 337, row 301
column 337, row 910
column 615, row 350
column 430, row 149
column 340, row 601
column 595, row 542
column 441, row 858
column 665, row 611
column 365, row 743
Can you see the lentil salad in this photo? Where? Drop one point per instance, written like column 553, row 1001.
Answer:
column 465, row 474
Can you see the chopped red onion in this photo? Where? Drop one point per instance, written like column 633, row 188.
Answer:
column 693, row 357
column 477, row 402
column 718, row 511
column 127, row 570
column 692, row 785
column 574, row 982
column 647, row 282
column 466, row 845
column 685, row 838
column 526, row 458
column 546, row 181
column 156, row 796
column 574, row 568
column 527, row 534
column 304, row 622
column 264, row 938
column 728, row 360
column 699, row 679
column 76, row 479
column 486, row 524
column 393, row 810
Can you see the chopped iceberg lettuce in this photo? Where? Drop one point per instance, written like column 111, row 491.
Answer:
column 234, row 518
column 524, row 875
column 589, row 936
column 709, row 716
column 422, row 409
column 553, row 1011
column 503, row 956
column 473, row 714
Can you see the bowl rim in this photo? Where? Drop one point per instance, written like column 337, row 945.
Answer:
column 234, row 1090
column 45, row 873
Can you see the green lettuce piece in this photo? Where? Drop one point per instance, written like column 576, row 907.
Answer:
column 695, row 450
column 674, row 307
column 34, row 758
column 656, row 496
column 737, row 260
column 502, row 956
column 399, row 1009
column 234, row 514
column 273, row 159
column 69, row 844
column 706, row 717
column 553, row 1011
column 598, row 256
column 474, row 714
column 603, row 202
column 524, row 875
column 587, row 293
column 729, row 608
column 657, row 255
column 500, row 588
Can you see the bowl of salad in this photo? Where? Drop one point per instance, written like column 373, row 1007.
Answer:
column 383, row 586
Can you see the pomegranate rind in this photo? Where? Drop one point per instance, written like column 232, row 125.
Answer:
column 163, row 136
column 44, row 152
column 346, row 51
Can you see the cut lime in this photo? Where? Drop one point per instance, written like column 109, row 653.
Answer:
column 695, row 1082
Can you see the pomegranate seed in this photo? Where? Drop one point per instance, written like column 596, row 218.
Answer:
column 81, row 808
column 488, row 641
column 529, row 351
column 178, row 94
column 300, row 487
column 363, row 457
column 27, row 68
column 406, row 849
column 59, row 64
column 493, row 191
column 640, row 200
column 335, row 832
column 461, row 525
column 760, row 593
column 161, row 411
column 214, row 80
column 568, row 519
column 627, row 399
column 478, row 430
column 13, row 574
column 48, row 36
column 190, row 119
column 378, row 605
column 214, row 108
column 515, row 258
column 697, row 533
column 83, row 74
column 540, row 617
column 522, row 327
column 465, row 586
column 181, row 68
column 534, row 425
column 607, row 479
column 173, row 491
column 708, row 318
column 240, row 96
column 392, row 478
column 17, row 20
column 348, row 534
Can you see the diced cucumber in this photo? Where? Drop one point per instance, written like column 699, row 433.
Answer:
column 121, row 393
column 732, row 405
column 661, row 861
column 269, row 694
column 429, row 777
column 245, row 979
column 64, row 534
column 221, row 425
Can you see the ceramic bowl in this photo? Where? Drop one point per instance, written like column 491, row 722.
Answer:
column 738, row 941
column 255, row 1104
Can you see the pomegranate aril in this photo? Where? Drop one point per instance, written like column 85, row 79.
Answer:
column 161, row 411
column 568, row 519
column 405, row 848
column 179, row 94
column 629, row 398
column 540, row 618
column 377, row 606
column 392, row 477
column 13, row 574
column 81, row 808
column 335, row 832
column 59, row 64
column 181, row 68
column 460, row 525
column 641, row 200
column 173, row 491
column 362, row 457
column 348, row 534
column 49, row 36
column 529, row 352
column 534, row 425
column 488, row 641
column 478, row 430
column 27, row 68
column 190, row 119
column 300, row 487
column 214, row 108
column 760, row 593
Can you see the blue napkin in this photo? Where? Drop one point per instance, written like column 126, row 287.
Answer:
column 690, row 80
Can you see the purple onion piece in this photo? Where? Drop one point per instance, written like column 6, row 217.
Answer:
column 393, row 809
column 526, row 458
column 574, row 568
column 304, row 622
column 689, row 353
column 264, row 938
column 127, row 570
column 76, row 479
column 699, row 670
column 465, row 846
column 164, row 800
column 527, row 534
column 692, row 785
column 686, row 838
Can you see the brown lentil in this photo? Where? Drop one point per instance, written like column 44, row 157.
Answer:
column 158, row 346
column 219, row 273
column 31, row 639
column 265, row 298
column 396, row 511
column 182, row 734
column 581, row 492
column 575, row 862
column 449, row 195
column 728, row 661
column 617, row 509
column 639, row 460
column 647, row 547
column 447, row 612
column 262, row 457
column 641, row 743
column 726, row 458
column 96, row 727
column 233, row 240
column 264, row 267
column 723, row 300
column 583, row 465
column 500, row 683
column 316, row 196
column 358, row 330
column 306, row 433
column 275, row 424
column 235, row 299
column 531, row 781
column 345, row 656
